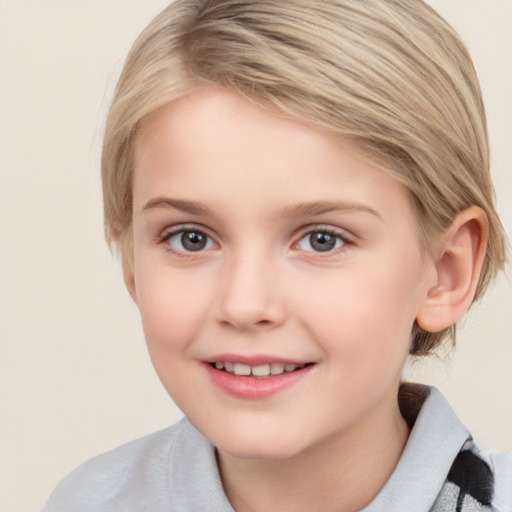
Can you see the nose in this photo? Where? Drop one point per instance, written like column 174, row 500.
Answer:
column 249, row 298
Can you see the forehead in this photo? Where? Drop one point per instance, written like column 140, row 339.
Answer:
column 224, row 125
column 216, row 147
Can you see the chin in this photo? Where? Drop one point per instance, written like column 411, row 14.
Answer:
column 260, row 446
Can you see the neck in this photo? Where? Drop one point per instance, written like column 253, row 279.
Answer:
column 343, row 473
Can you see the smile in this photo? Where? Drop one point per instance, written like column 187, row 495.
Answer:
column 256, row 381
column 263, row 370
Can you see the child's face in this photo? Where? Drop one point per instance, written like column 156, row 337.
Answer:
column 260, row 242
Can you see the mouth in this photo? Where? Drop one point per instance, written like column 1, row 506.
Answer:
column 256, row 377
column 258, row 371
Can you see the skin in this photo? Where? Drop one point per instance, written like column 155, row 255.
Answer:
column 257, row 186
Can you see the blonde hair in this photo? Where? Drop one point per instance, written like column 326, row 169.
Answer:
column 390, row 76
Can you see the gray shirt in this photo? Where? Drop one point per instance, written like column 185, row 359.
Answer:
column 176, row 470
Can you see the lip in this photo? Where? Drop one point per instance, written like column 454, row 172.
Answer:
column 254, row 359
column 255, row 388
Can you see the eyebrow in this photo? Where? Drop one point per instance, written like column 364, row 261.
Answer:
column 300, row 210
column 322, row 207
column 192, row 207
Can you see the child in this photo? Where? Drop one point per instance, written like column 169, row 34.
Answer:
column 300, row 195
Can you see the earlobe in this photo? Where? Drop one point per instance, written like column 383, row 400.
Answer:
column 458, row 264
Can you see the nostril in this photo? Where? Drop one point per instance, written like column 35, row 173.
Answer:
column 257, row 325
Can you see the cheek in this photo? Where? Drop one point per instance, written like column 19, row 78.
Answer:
column 171, row 307
column 363, row 317
column 171, row 310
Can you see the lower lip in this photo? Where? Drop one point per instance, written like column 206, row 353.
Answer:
column 255, row 388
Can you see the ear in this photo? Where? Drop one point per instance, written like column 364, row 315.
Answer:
column 124, row 248
column 458, row 263
column 129, row 278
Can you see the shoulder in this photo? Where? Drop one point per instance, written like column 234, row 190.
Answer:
column 97, row 483
column 501, row 464
column 441, row 464
column 483, row 475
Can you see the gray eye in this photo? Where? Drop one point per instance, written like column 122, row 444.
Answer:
column 190, row 241
column 320, row 241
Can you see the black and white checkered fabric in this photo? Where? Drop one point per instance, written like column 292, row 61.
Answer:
column 470, row 484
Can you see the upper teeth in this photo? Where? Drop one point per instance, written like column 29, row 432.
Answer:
column 262, row 370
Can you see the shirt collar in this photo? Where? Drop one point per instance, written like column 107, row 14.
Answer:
column 435, row 440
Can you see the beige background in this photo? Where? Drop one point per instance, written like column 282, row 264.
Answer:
column 75, row 379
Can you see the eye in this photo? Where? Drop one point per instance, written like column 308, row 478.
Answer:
column 321, row 241
column 189, row 240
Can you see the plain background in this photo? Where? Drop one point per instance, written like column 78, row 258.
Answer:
column 75, row 379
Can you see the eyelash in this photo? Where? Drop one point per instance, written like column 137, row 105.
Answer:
column 342, row 237
column 181, row 230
